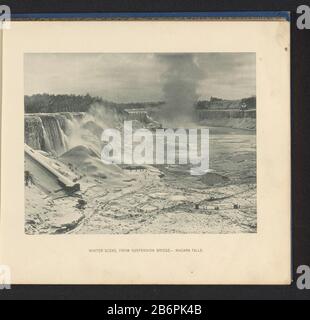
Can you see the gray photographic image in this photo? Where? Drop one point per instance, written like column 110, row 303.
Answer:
column 140, row 143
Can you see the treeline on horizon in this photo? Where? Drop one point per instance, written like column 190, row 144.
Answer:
column 217, row 103
column 50, row 103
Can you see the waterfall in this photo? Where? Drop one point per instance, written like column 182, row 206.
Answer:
column 34, row 132
column 50, row 132
column 55, row 134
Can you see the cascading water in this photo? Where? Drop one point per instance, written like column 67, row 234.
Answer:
column 54, row 133
column 34, row 133
column 50, row 132
column 57, row 133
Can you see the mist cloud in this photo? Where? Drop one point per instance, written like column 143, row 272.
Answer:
column 180, row 82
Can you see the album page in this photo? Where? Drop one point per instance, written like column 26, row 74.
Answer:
column 146, row 152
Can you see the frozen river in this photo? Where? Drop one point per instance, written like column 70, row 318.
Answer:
column 142, row 202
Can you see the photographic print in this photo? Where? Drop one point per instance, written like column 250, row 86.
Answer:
column 140, row 143
column 151, row 152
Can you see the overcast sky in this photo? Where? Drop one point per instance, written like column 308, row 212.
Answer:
column 136, row 77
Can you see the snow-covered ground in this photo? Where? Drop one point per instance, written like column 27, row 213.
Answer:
column 123, row 202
